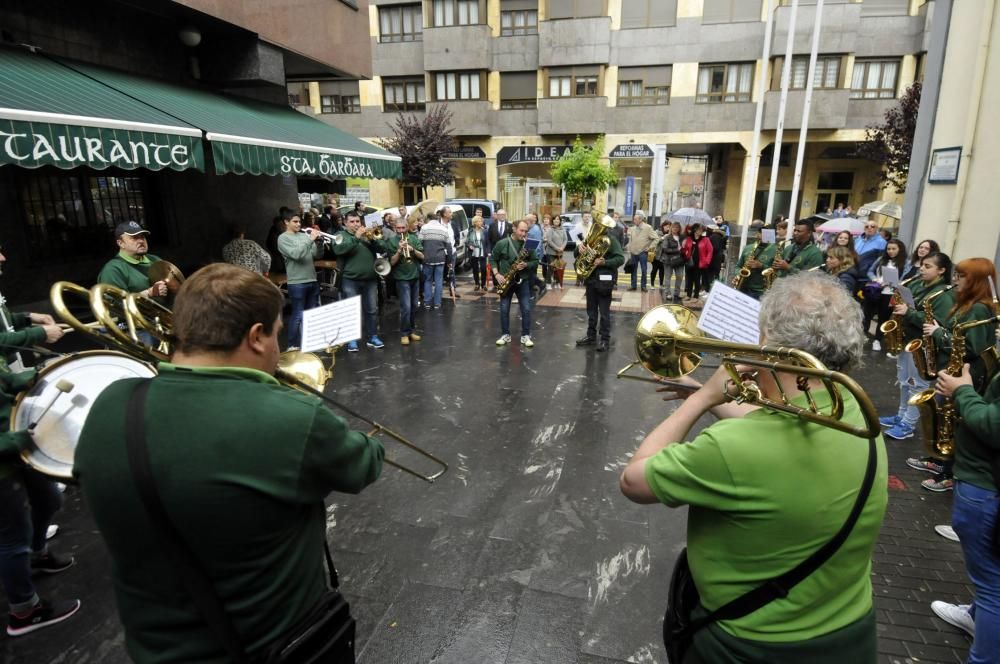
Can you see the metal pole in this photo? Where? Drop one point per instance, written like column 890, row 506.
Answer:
column 786, row 75
column 806, row 105
column 750, row 181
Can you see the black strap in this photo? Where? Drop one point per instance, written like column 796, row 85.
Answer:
column 780, row 586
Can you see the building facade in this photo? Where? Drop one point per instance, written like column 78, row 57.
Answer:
column 523, row 78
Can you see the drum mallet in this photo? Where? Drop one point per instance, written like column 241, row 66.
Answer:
column 64, row 386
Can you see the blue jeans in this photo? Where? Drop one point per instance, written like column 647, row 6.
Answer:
column 910, row 383
column 368, row 290
column 28, row 500
column 302, row 297
column 433, row 282
column 973, row 516
column 407, row 291
column 523, row 291
column 641, row 261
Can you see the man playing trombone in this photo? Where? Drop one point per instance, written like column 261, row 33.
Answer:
column 241, row 465
column 762, row 499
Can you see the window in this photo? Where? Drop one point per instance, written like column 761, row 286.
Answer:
column 874, row 79
column 643, row 86
column 455, row 12
column 403, row 94
column 827, row 72
column 340, row 103
column 575, row 8
column 573, row 81
column 401, row 23
column 518, row 89
column 648, row 13
column 518, row 17
column 731, row 11
column 885, row 8
column 833, row 188
column 724, row 83
column 450, row 86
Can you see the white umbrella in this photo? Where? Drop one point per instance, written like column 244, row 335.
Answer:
column 888, row 208
column 690, row 215
column 852, row 224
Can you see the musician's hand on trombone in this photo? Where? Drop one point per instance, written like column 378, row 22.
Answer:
column 42, row 319
column 53, row 333
column 947, row 384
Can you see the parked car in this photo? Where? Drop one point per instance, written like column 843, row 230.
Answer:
column 570, row 220
column 459, row 224
column 470, row 204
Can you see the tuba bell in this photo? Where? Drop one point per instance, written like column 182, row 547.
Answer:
column 595, row 245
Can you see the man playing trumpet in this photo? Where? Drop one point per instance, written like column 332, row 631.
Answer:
column 405, row 253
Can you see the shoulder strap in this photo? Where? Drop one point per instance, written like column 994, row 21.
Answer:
column 780, row 586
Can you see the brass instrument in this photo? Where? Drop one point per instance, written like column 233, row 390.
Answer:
column 594, row 246
column 382, row 266
column 404, row 246
column 770, row 274
column 373, row 233
column 511, row 275
column 923, row 349
column 168, row 273
column 892, row 329
column 669, row 344
column 741, row 277
column 938, row 415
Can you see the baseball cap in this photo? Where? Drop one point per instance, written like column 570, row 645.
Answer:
column 129, row 228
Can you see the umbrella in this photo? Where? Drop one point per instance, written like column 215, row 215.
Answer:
column 689, row 215
column 888, row 208
column 855, row 226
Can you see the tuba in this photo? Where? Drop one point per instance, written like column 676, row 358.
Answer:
column 924, row 349
column 892, row 329
column 668, row 344
column 594, row 246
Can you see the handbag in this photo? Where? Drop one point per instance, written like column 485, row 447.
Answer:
column 679, row 627
column 326, row 634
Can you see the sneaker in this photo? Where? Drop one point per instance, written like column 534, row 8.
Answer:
column 50, row 563
column 946, row 532
column 504, row 340
column 51, row 531
column 42, row 615
column 891, row 356
column 890, row 421
column 527, row 342
column 939, row 484
column 959, row 615
column 925, row 464
column 415, row 337
column 404, row 341
column 375, row 342
column 876, row 346
column 900, row 432
column 352, row 346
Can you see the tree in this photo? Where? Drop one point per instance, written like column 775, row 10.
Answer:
column 423, row 146
column 890, row 143
column 580, row 170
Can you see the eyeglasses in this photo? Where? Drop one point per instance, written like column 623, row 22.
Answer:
column 871, row 226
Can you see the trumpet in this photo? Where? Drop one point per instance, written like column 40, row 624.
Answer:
column 668, row 344
column 404, row 247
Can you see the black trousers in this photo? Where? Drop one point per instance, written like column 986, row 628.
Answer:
column 479, row 271
column 599, row 311
column 657, row 270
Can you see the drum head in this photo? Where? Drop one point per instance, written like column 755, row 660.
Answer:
column 58, row 430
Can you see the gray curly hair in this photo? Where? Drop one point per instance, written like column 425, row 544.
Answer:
column 812, row 311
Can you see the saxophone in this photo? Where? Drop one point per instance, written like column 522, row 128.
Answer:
column 511, row 275
column 892, row 329
column 939, row 415
column 923, row 349
column 741, row 277
column 770, row 274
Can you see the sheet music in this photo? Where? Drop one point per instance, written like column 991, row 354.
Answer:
column 373, row 220
column 907, row 296
column 767, row 236
column 531, row 245
column 332, row 324
column 890, row 275
column 730, row 315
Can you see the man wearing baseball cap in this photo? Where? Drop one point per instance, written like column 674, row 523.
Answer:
column 129, row 270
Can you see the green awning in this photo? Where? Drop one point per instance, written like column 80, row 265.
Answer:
column 254, row 137
column 51, row 115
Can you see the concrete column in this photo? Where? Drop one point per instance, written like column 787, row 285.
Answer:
column 492, row 179
column 314, row 99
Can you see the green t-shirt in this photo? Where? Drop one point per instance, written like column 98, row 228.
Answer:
column 242, row 465
column 299, row 251
column 765, row 492
column 128, row 273
column 977, row 437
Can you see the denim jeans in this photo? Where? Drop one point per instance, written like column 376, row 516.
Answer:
column 433, row 282
column 368, row 290
column 27, row 502
column 523, row 291
column 407, row 304
column 641, row 261
column 677, row 274
column 910, row 383
column 973, row 516
column 302, row 297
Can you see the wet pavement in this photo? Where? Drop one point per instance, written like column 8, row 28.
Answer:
column 525, row 551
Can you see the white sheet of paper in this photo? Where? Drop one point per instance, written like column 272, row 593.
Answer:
column 767, row 236
column 332, row 324
column 373, row 220
column 907, row 296
column 604, row 277
column 890, row 276
column 730, row 315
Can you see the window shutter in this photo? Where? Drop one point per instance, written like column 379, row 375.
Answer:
column 662, row 13
column 518, row 85
column 631, row 73
column 885, row 8
column 586, row 8
column 716, row 11
column 657, row 76
column 635, row 13
column 514, row 5
column 560, row 8
column 586, row 70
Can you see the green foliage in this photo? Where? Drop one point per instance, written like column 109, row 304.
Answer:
column 580, row 170
column 890, row 144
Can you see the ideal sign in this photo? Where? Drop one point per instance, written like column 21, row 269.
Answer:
column 530, row 154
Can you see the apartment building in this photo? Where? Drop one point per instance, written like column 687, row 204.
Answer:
column 523, row 78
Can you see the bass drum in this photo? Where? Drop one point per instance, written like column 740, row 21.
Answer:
column 58, row 431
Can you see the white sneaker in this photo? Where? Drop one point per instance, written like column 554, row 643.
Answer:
column 51, row 531
column 527, row 342
column 876, row 346
column 946, row 532
column 504, row 340
column 957, row 615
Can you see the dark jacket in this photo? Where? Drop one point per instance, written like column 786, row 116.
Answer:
column 613, row 259
column 493, row 236
column 669, row 251
column 718, row 241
